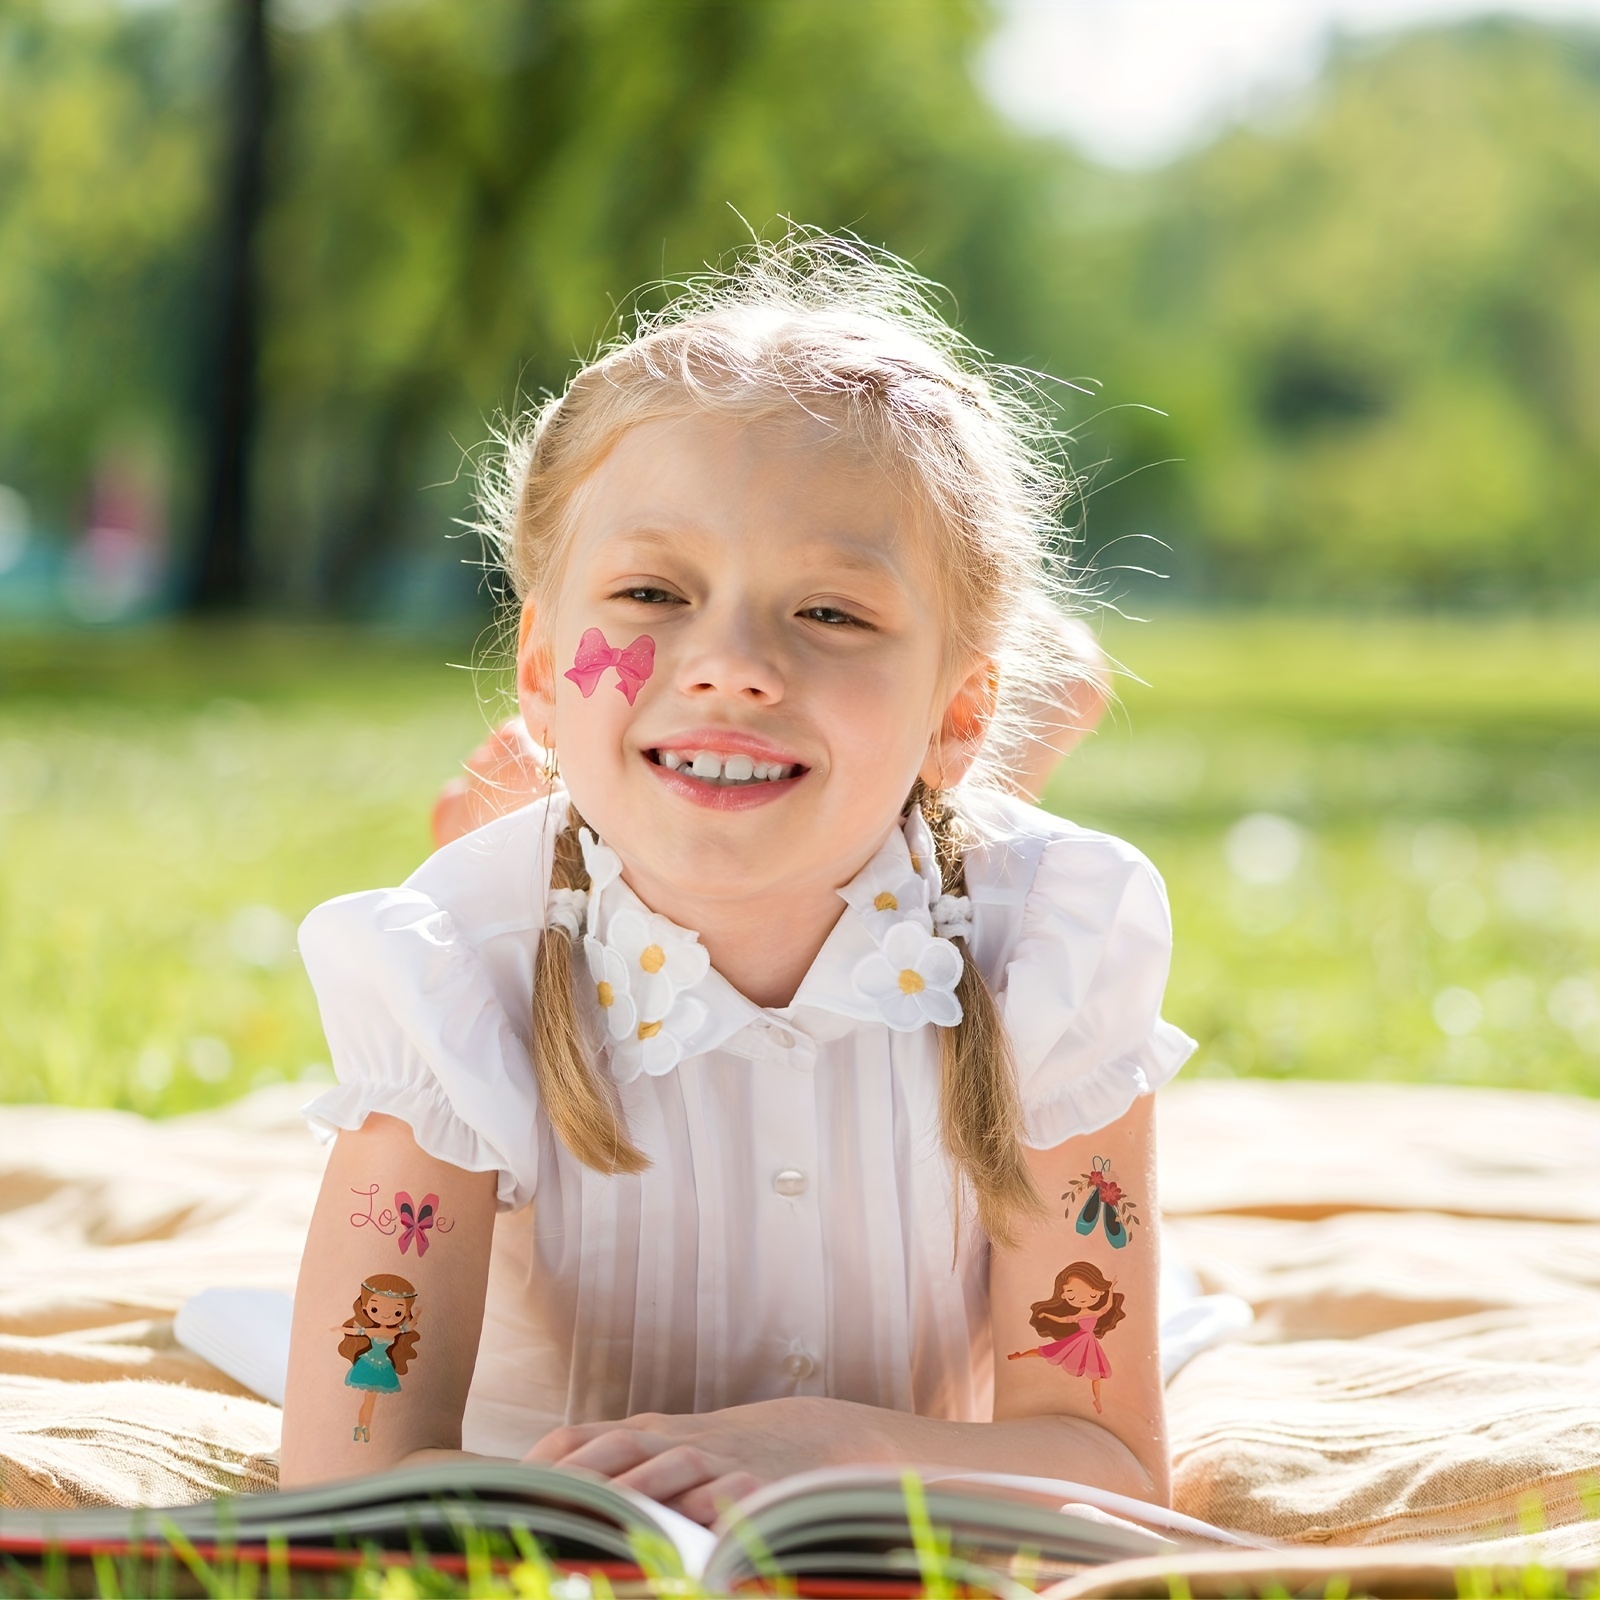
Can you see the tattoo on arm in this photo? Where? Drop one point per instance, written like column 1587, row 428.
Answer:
column 1104, row 1201
column 380, row 1341
column 414, row 1219
column 1083, row 1310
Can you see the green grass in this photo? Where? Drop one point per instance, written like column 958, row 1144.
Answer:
column 173, row 801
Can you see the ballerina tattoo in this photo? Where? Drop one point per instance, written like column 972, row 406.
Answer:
column 380, row 1341
column 1083, row 1310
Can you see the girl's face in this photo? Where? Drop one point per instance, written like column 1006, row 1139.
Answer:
column 798, row 631
column 1078, row 1294
column 385, row 1310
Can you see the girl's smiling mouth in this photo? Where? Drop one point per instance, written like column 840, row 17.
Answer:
column 723, row 769
column 712, row 766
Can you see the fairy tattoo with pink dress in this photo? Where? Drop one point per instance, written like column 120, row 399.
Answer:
column 1073, row 1321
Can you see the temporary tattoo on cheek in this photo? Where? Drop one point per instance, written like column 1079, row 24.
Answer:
column 1103, row 1201
column 634, row 664
column 380, row 1342
column 414, row 1218
column 1083, row 1310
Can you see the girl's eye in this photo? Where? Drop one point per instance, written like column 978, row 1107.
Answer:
column 646, row 595
column 832, row 616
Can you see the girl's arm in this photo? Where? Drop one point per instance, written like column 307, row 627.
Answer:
column 1044, row 1424
column 1128, row 1446
column 343, row 1250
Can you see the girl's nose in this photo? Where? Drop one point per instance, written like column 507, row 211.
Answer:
column 729, row 658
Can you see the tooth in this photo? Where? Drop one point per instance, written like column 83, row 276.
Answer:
column 671, row 760
column 706, row 765
column 739, row 768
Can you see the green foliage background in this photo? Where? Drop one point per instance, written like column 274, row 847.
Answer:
column 1354, row 354
column 173, row 802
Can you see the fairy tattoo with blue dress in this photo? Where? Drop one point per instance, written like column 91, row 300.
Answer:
column 379, row 1343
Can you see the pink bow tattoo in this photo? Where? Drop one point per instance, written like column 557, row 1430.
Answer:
column 415, row 1220
column 634, row 664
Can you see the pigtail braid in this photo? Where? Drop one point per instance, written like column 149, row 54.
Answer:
column 979, row 1110
column 582, row 1108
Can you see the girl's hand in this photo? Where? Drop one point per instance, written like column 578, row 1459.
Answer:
column 505, row 773
column 699, row 1465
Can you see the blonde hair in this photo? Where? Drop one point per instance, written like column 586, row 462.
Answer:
column 824, row 327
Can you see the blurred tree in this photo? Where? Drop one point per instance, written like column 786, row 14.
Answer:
column 1376, row 330
column 467, row 190
column 106, row 118
column 225, row 556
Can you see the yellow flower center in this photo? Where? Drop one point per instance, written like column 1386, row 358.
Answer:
column 605, row 993
column 911, row 982
column 652, row 958
column 648, row 1030
column 886, row 902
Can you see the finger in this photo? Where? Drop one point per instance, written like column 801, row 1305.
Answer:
column 617, row 1450
column 561, row 1442
column 708, row 1501
column 672, row 1472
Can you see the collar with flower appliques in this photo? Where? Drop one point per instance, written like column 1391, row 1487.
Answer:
column 653, row 998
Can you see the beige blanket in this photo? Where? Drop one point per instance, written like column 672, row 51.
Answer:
column 1424, row 1263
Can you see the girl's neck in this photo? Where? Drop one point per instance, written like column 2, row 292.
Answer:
column 763, row 946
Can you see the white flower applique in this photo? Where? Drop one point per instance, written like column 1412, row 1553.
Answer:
column 888, row 891
column 609, row 974
column 911, row 977
column 659, row 962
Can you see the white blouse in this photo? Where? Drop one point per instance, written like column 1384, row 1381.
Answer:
column 797, row 1230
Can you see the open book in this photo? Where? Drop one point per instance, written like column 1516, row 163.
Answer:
column 815, row 1530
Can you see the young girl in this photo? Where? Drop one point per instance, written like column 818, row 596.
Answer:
column 752, row 1065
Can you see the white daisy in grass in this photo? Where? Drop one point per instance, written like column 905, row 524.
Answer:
column 654, row 1048
column 608, row 972
column 911, row 978
column 662, row 960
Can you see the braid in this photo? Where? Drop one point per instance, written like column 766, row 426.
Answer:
column 979, row 1112
column 582, row 1109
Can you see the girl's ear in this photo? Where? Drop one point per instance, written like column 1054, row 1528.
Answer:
column 536, row 693
column 960, row 734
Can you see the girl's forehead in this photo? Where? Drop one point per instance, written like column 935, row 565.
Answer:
column 802, row 479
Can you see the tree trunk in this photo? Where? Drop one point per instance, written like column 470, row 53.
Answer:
column 224, row 568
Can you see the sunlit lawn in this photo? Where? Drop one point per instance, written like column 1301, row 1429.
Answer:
column 1380, row 841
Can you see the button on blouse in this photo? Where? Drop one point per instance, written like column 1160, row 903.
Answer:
column 796, row 1231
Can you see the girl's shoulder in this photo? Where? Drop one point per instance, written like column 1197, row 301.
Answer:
column 1072, row 932
column 1046, row 869
column 495, row 879
column 426, row 998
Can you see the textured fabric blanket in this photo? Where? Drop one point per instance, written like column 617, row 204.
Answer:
column 1425, row 1365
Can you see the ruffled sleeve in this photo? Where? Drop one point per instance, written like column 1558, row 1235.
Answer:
column 418, row 1032
column 1083, row 987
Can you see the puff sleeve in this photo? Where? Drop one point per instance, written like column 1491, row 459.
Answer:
column 1083, row 988
column 418, row 1032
